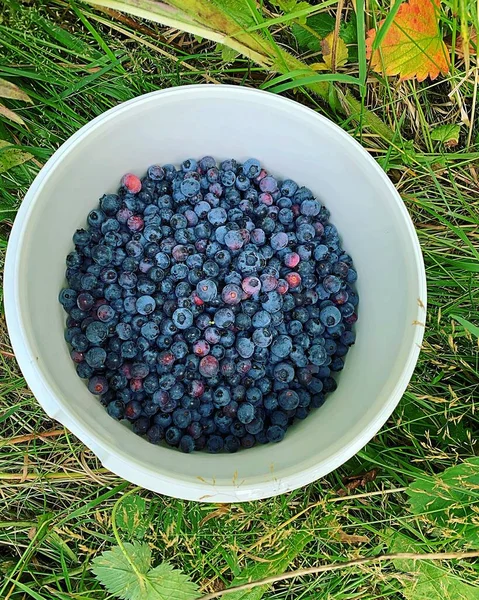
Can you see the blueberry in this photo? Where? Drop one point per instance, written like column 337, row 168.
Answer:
column 281, row 346
column 217, row 216
column 214, row 444
column 283, row 372
column 224, row 318
column 206, row 290
column 275, row 433
column 330, row 316
column 96, row 332
column 173, row 436
column 68, row 298
column 251, row 168
column 272, row 302
column 182, row 318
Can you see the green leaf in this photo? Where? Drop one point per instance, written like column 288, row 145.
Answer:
column 11, row 157
column 228, row 55
column 348, row 30
column 446, row 134
column 113, row 569
column 467, row 325
column 127, row 574
column 167, row 583
column 309, row 35
column 292, row 6
column 450, row 501
column 278, row 563
column 132, row 516
column 427, row 581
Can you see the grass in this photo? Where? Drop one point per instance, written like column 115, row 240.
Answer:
column 56, row 499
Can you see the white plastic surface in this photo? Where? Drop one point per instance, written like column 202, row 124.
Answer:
column 290, row 140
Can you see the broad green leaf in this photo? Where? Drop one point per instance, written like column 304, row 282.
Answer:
column 427, row 580
column 12, row 91
column 450, row 501
column 12, row 116
column 115, row 572
column 167, row 583
column 315, row 29
column 278, row 563
column 130, row 577
column 447, row 134
column 349, row 31
column 11, row 157
column 132, row 516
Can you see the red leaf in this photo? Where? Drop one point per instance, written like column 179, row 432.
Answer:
column 413, row 45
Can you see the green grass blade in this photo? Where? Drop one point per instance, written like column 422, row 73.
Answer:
column 338, row 77
column 474, row 329
column 388, row 21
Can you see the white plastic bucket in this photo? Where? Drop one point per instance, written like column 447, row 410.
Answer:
column 290, row 140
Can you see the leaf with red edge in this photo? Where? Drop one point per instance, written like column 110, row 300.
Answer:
column 413, row 46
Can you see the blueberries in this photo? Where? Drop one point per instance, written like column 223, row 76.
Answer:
column 210, row 305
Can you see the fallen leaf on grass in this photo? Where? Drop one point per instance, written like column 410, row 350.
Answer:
column 413, row 46
column 12, row 91
column 352, row 538
column 9, row 114
column 356, row 481
column 340, row 58
column 11, row 156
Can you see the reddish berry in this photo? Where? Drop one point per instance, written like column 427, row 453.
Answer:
column 251, row 285
column 197, row 300
column 201, row 348
column 166, row 358
column 266, row 198
column 232, row 294
column 209, row 366
column 77, row 357
column 293, row 279
column 196, row 388
column 268, row 283
column 283, row 286
column 136, row 385
column 131, row 183
column 135, row 223
column 291, row 260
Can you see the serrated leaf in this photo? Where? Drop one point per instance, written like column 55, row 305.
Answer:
column 277, row 563
column 132, row 516
column 447, row 134
column 12, row 116
column 139, row 582
column 450, row 501
column 427, row 581
column 115, row 572
column 413, row 46
column 12, row 91
column 167, row 583
column 327, row 50
column 11, row 157
column 316, row 28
